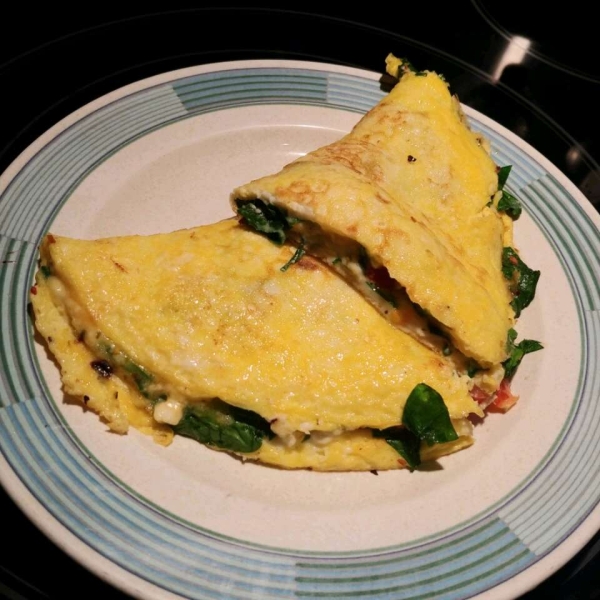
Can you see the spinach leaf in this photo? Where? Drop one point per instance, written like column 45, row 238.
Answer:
column 266, row 218
column 510, row 205
column 523, row 279
column 300, row 252
column 503, row 174
column 406, row 65
column 46, row 271
column 425, row 418
column 141, row 377
column 473, row 368
column 426, row 415
column 404, row 442
column 387, row 296
column 517, row 352
column 217, row 424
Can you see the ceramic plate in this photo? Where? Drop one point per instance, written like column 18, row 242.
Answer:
column 163, row 154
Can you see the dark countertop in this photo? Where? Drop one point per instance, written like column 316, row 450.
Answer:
column 535, row 74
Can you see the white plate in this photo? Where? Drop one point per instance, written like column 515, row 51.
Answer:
column 163, row 154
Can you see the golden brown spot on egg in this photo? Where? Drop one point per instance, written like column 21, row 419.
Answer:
column 300, row 187
column 381, row 198
column 51, row 239
column 118, row 265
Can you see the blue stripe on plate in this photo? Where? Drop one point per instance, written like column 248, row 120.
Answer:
column 15, row 382
column 177, row 558
column 39, row 189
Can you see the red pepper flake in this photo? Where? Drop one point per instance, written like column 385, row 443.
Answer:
column 86, row 399
column 51, row 239
column 411, row 158
column 33, row 290
column 513, row 260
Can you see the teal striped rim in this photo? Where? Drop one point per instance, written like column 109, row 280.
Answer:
column 185, row 559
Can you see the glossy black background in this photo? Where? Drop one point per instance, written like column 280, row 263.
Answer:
column 53, row 60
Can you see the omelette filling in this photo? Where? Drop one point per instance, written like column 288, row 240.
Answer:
column 425, row 420
column 352, row 262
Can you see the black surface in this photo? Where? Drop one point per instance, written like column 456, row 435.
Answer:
column 53, row 60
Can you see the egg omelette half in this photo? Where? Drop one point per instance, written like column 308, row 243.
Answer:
column 408, row 209
column 217, row 334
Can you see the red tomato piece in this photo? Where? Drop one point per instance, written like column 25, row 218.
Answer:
column 380, row 277
column 505, row 399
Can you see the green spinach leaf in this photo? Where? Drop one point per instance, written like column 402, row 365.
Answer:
column 141, row 377
column 473, row 368
column 425, row 418
column 406, row 65
column 517, row 352
column 523, row 279
column 404, row 442
column 510, row 205
column 503, row 174
column 426, row 415
column 300, row 252
column 266, row 218
column 217, row 424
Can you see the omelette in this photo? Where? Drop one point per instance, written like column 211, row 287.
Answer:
column 217, row 334
column 409, row 209
column 362, row 330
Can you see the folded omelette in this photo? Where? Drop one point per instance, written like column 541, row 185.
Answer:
column 264, row 350
column 406, row 209
column 217, row 334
